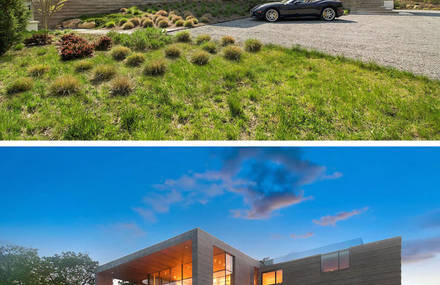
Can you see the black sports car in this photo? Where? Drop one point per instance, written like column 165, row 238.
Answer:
column 328, row 10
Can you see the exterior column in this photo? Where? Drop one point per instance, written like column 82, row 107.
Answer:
column 202, row 256
column 103, row 279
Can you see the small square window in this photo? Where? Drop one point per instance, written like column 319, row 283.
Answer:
column 335, row 261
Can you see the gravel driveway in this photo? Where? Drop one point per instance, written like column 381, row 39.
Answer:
column 407, row 42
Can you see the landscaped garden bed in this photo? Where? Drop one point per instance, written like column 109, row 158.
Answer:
column 150, row 85
column 417, row 5
column 167, row 14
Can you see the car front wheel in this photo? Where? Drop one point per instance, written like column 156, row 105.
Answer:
column 272, row 15
column 328, row 14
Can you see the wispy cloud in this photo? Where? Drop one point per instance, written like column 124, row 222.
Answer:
column 332, row 220
column 420, row 249
column 127, row 230
column 430, row 220
column 303, row 236
column 268, row 179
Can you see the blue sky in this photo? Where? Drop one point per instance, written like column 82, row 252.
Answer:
column 109, row 202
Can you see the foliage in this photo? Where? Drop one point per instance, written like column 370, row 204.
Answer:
column 188, row 24
column 148, row 38
column 155, row 67
column 179, row 23
column 38, row 39
column 253, row 45
column 200, row 57
column 128, row 26
column 72, row 46
column 202, row 39
column 47, row 8
column 65, row 85
column 147, row 23
column 227, row 40
column 135, row 21
column 14, row 17
column 135, row 59
column 163, row 23
column 83, row 65
column 120, row 52
column 104, row 43
column 232, row 52
column 173, row 51
column 38, row 70
column 104, row 72
column 121, row 85
column 209, row 47
column 18, row 265
column 20, row 85
column 183, row 37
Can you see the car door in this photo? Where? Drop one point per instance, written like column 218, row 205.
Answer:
column 302, row 8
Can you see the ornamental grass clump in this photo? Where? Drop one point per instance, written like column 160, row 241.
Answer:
column 227, row 40
column 38, row 70
column 128, row 26
column 188, row 24
column 121, row 86
column 232, row 53
column 202, row 39
column 209, row 47
column 83, row 65
column 179, row 23
column 155, row 67
column 122, row 21
column 176, row 18
column 163, row 24
column 103, row 43
column 104, row 72
column 162, row 13
column 120, row 53
column 147, row 22
column 19, row 85
column 200, row 57
column 135, row 21
column 183, row 37
column 65, row 85
column 253, row 45
column 72, row 46
column 172, row 51
column 110, row 24
column 135, row 59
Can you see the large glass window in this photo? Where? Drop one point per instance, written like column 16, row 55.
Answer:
column 178, row 275
column 272, row 277
column 223, row 268
column 335, row 261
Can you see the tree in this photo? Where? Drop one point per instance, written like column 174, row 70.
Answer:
column 47, row 8
column 18, row 265
column 14, row 17
column 69, row 268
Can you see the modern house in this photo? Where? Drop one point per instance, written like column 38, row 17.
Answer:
column 198, row 258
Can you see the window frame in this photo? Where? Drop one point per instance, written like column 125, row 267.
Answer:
column 274, row 271
column 339, row 261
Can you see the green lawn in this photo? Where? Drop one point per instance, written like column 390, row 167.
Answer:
column 274, row 94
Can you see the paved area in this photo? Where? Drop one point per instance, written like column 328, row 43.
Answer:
column 406, row 41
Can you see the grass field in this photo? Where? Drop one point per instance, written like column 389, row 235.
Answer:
column 276, row 93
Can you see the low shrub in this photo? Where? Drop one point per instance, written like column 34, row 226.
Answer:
column 155, row 67
column 134, row 11
column 38, row 70
column 135, row 21
column 38, row 40
column 188, row 24
column 195, row 21
column 183, row 36
column 209, row 47
column 146, row 22
column 110, row 24
column 163, row 24
column 103, row 43
column 142, row 39
column 104, row 72
column 200, row 57
column 65, row 85
column 187, row 13
column 253, row 45
column 120, row 52
column 179, row 23
column 128, row 26
column 206, row 18
column 14, row 16
column 122, row 21
column 162, row 13
column 135, row 59
column 202, row 39
column 83, row 65
column 232, row 53
column 174, row 19
column 20, row 85
column 121, row 85
column 227, row 40
column 159, row 19
column 72, row 46
column 172, row 51
column 190, row 17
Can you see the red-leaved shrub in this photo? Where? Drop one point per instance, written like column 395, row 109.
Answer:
column 72, row 46
column 38, row 40
column 104, row 43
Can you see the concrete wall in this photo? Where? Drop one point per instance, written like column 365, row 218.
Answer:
column 377, row 263
column 243, row 264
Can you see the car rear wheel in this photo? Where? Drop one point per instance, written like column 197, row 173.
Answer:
column 328, row 14
column 272, row 15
